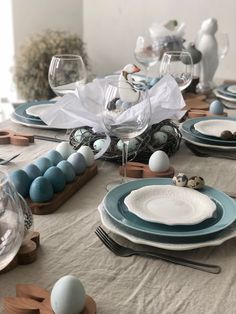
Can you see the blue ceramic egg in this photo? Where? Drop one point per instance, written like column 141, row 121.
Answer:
column 33, row 171
column 56, row 177
column 41, row 190
column 68, row 170
column 54, row 156
column 21, row 181
column 43, row 164
column 216, row 107
column 78, row 162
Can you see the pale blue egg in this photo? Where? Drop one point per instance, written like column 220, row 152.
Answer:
column 68, row 170
column 33, row 171
column 98, row 144
column 41, row 190
column 133, row 145
column 159, row 138
column 216, row 107
column 78, row 162
column 21, row 181
column 43, row 164
column 80, row 134
column 168, row 129
column 57, row 178
column 54, row 156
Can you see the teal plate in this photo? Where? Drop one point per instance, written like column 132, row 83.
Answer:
column 188, row 127
column 223, row 89
column 224, row 216
column 21, row 115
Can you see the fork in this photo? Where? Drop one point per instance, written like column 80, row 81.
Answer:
column 6, row 161
column 120, row 250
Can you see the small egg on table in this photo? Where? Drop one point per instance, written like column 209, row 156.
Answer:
column 68, row 170
column 159, row 138
column 167, row 129
column 180, row 179
column 216, row 107
column 43, row 164
column 87, row 152
column 33, row 171
column 21, row 181
column 41, row 190
column 133, row 144
column 56, row 177
column 78, row 162
column 68, row 296
column 196, row 183
column 80, row 134
column 159, row 161
column 54, row 156
column 65, row 149
column 98, row 144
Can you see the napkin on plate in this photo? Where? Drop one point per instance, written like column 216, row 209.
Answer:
column 84, row 109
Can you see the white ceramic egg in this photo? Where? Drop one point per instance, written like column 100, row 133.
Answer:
column 65, row 149
column 68, row 296
column 159, row 161
column 78, row 162
column 216, row 107
column 87, row 152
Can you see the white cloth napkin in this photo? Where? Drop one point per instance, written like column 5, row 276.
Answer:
column 73, row 111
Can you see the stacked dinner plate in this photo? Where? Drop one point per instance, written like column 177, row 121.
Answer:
column 227, row 94
column 155, row 212
column 206, row 132
column 28, row 113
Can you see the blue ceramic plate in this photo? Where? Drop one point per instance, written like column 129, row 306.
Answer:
column 21, row 115
column 116, row 209
column 188, row 127
column 223, row 89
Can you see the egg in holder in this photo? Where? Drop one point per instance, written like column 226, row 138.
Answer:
column 52, row 179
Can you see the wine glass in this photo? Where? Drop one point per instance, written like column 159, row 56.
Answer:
column 145, row 52
column 66, row 73
column 11, row 221
column 179, row 65
column 126, row 114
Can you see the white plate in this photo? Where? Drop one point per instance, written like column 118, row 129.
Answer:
column 229, row 233
column 35, row 111
column 170, row 205
column 215, row 127
column 231, row 99
column 232, row 89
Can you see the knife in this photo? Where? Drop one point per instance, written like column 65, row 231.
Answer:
column 49, row 138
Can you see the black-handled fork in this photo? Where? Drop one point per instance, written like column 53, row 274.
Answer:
column 120, row 250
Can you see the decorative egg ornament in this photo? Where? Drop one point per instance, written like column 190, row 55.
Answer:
column 196, row 183
column 180, row 179
column 216, row 107
column 159, row 161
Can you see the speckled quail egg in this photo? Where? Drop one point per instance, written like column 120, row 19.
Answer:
column 196, row 183
column 133, row 145
column 180, row 179
column 159, row 138
column 159, row 161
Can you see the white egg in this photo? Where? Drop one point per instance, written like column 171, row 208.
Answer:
column 68, row 296
column 159, row 161
column 87, row 152
column 65, row 149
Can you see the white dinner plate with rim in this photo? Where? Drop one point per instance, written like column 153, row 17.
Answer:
column 170, row 205
column 229, row 233
column 231, row 99
column 214, row 127
column 36, row 111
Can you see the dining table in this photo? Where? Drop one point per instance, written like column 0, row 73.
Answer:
column 127, row 285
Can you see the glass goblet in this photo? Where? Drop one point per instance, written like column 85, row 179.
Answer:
column 66, row 73
column 179, row 65
column 126, row 114
column 11, row 221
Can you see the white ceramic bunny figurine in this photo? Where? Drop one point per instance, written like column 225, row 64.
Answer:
column 208, row 46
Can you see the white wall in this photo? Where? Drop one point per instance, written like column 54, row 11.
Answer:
column 111, row 27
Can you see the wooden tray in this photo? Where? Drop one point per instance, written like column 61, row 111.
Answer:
column 140, row 170
column 31, row 299
column 62, row 197
column 27, row 253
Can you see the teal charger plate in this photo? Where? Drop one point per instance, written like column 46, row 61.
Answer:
column 224, row 216
column 188, row 127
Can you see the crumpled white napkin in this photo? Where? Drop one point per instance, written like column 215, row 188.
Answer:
column 72, row 111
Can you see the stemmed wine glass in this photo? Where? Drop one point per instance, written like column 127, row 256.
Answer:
column 145, row 52
column 66, row 73
column 179, row 65
column 126, row 114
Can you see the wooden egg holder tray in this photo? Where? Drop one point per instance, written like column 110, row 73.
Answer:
column 197, row 106
column 27, row 253
column 31, row 299
column 62, row 197
column 140, row 170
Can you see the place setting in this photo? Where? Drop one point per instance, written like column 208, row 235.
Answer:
column 227, row 94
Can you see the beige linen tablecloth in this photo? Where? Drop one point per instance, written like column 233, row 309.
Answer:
column 133, row 285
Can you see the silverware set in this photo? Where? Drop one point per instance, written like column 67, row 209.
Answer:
column 123, row 251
